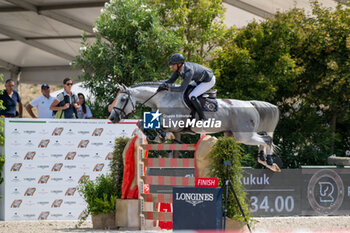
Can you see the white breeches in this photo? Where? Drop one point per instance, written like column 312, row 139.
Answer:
column 201, row 88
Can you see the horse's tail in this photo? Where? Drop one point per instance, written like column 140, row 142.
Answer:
column 269, row 117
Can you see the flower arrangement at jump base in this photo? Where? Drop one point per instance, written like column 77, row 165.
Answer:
column 100, row 197
column 101, row 194
column 227, row 149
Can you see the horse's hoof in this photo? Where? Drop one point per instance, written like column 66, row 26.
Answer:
column 170, row 136
column 151, row 137
column 261, row 155
column 159, row 139
column 269, row 160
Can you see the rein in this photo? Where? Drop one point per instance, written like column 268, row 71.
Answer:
column 150, row 98
column 133, row 106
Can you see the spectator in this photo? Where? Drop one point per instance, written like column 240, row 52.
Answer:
column 66, row 101
column 112, row 102
column 42, row 103
column 10, row 98
column 84, row 110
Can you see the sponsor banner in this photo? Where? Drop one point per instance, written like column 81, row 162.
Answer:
column 207, row 182
column 47, row 159
column 197, row 208
column 35, row 156
column 314, row 191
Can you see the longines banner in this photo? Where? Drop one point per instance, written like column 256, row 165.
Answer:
column 47, row 159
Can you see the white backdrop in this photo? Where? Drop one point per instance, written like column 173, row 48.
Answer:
column 46, row 158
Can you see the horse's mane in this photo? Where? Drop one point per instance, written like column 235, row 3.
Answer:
column 154, row 83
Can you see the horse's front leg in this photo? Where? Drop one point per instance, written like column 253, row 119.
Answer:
column 146, row 132
column 162, row 135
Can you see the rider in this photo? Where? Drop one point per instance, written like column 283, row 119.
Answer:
column 202, row 78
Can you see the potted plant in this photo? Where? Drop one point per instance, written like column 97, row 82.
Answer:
column 100, row 196
column 228, row 149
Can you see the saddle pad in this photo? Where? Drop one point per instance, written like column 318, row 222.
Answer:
column 209, row 105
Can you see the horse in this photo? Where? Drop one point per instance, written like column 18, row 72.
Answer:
column 249, row 122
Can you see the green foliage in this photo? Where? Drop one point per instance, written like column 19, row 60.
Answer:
column 100, row 195
column 99, row 110
column 228, row 149
column 301, row 63
column 132, row 46
column 117, row 165
column 199, row 23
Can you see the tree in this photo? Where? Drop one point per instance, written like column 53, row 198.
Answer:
column 131, row 46
column 200, row 23
column 326, row 58
column 300, row 63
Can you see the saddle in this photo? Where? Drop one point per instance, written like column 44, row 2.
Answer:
column 207, row 100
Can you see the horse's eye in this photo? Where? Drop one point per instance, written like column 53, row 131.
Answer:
column 123, row 98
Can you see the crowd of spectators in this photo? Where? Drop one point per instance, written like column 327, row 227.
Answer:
column 66, row 104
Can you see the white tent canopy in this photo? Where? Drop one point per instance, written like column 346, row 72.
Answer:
column 39, row 38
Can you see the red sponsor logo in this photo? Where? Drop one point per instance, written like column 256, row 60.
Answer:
column 56, row 203
column 83, row 143
column 43, row 179
column 109, row 156
column 98, row 167
column 57, row 167
column 70, row 155
column 30, row 155
column 16, row 167
column 83, row 178
column 57, row 131
column 97, row 132
column 30, row 192
column 16, row 203
column 44, row 143
column 44, row 215
column 70, row 191
column 207, row 182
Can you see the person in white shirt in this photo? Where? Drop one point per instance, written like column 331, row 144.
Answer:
column 84, row 111
column 42, row 103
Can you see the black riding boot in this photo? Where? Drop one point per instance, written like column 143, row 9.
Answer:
column 197, row 105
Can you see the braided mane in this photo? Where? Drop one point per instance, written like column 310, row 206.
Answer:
column 155, row 83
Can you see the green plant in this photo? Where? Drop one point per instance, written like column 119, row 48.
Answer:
column 98, row 109
column 117, row 165
column 228, row 149
column 301, row 63
column 131, row 46
column 199, row 23
column 100, row 195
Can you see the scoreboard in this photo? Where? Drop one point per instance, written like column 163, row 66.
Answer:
column 307, row 191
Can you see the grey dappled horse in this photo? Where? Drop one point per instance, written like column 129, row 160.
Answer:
column 249, row 122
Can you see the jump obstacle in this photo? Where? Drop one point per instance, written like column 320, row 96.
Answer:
column 142, row 179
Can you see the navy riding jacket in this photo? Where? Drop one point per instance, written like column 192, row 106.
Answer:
column 191, row 72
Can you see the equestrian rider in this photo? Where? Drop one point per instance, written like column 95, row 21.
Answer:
column 202, row 78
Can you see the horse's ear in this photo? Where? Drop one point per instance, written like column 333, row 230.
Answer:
column 125, row 87
column 120, row 87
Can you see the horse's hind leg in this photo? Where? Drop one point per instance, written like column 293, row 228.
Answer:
column 261, row 153
column 252, row 138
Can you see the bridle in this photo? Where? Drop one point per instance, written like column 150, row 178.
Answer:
column 122, row 110
column 124, row 115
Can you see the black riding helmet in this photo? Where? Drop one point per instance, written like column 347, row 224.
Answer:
column 177, row 58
